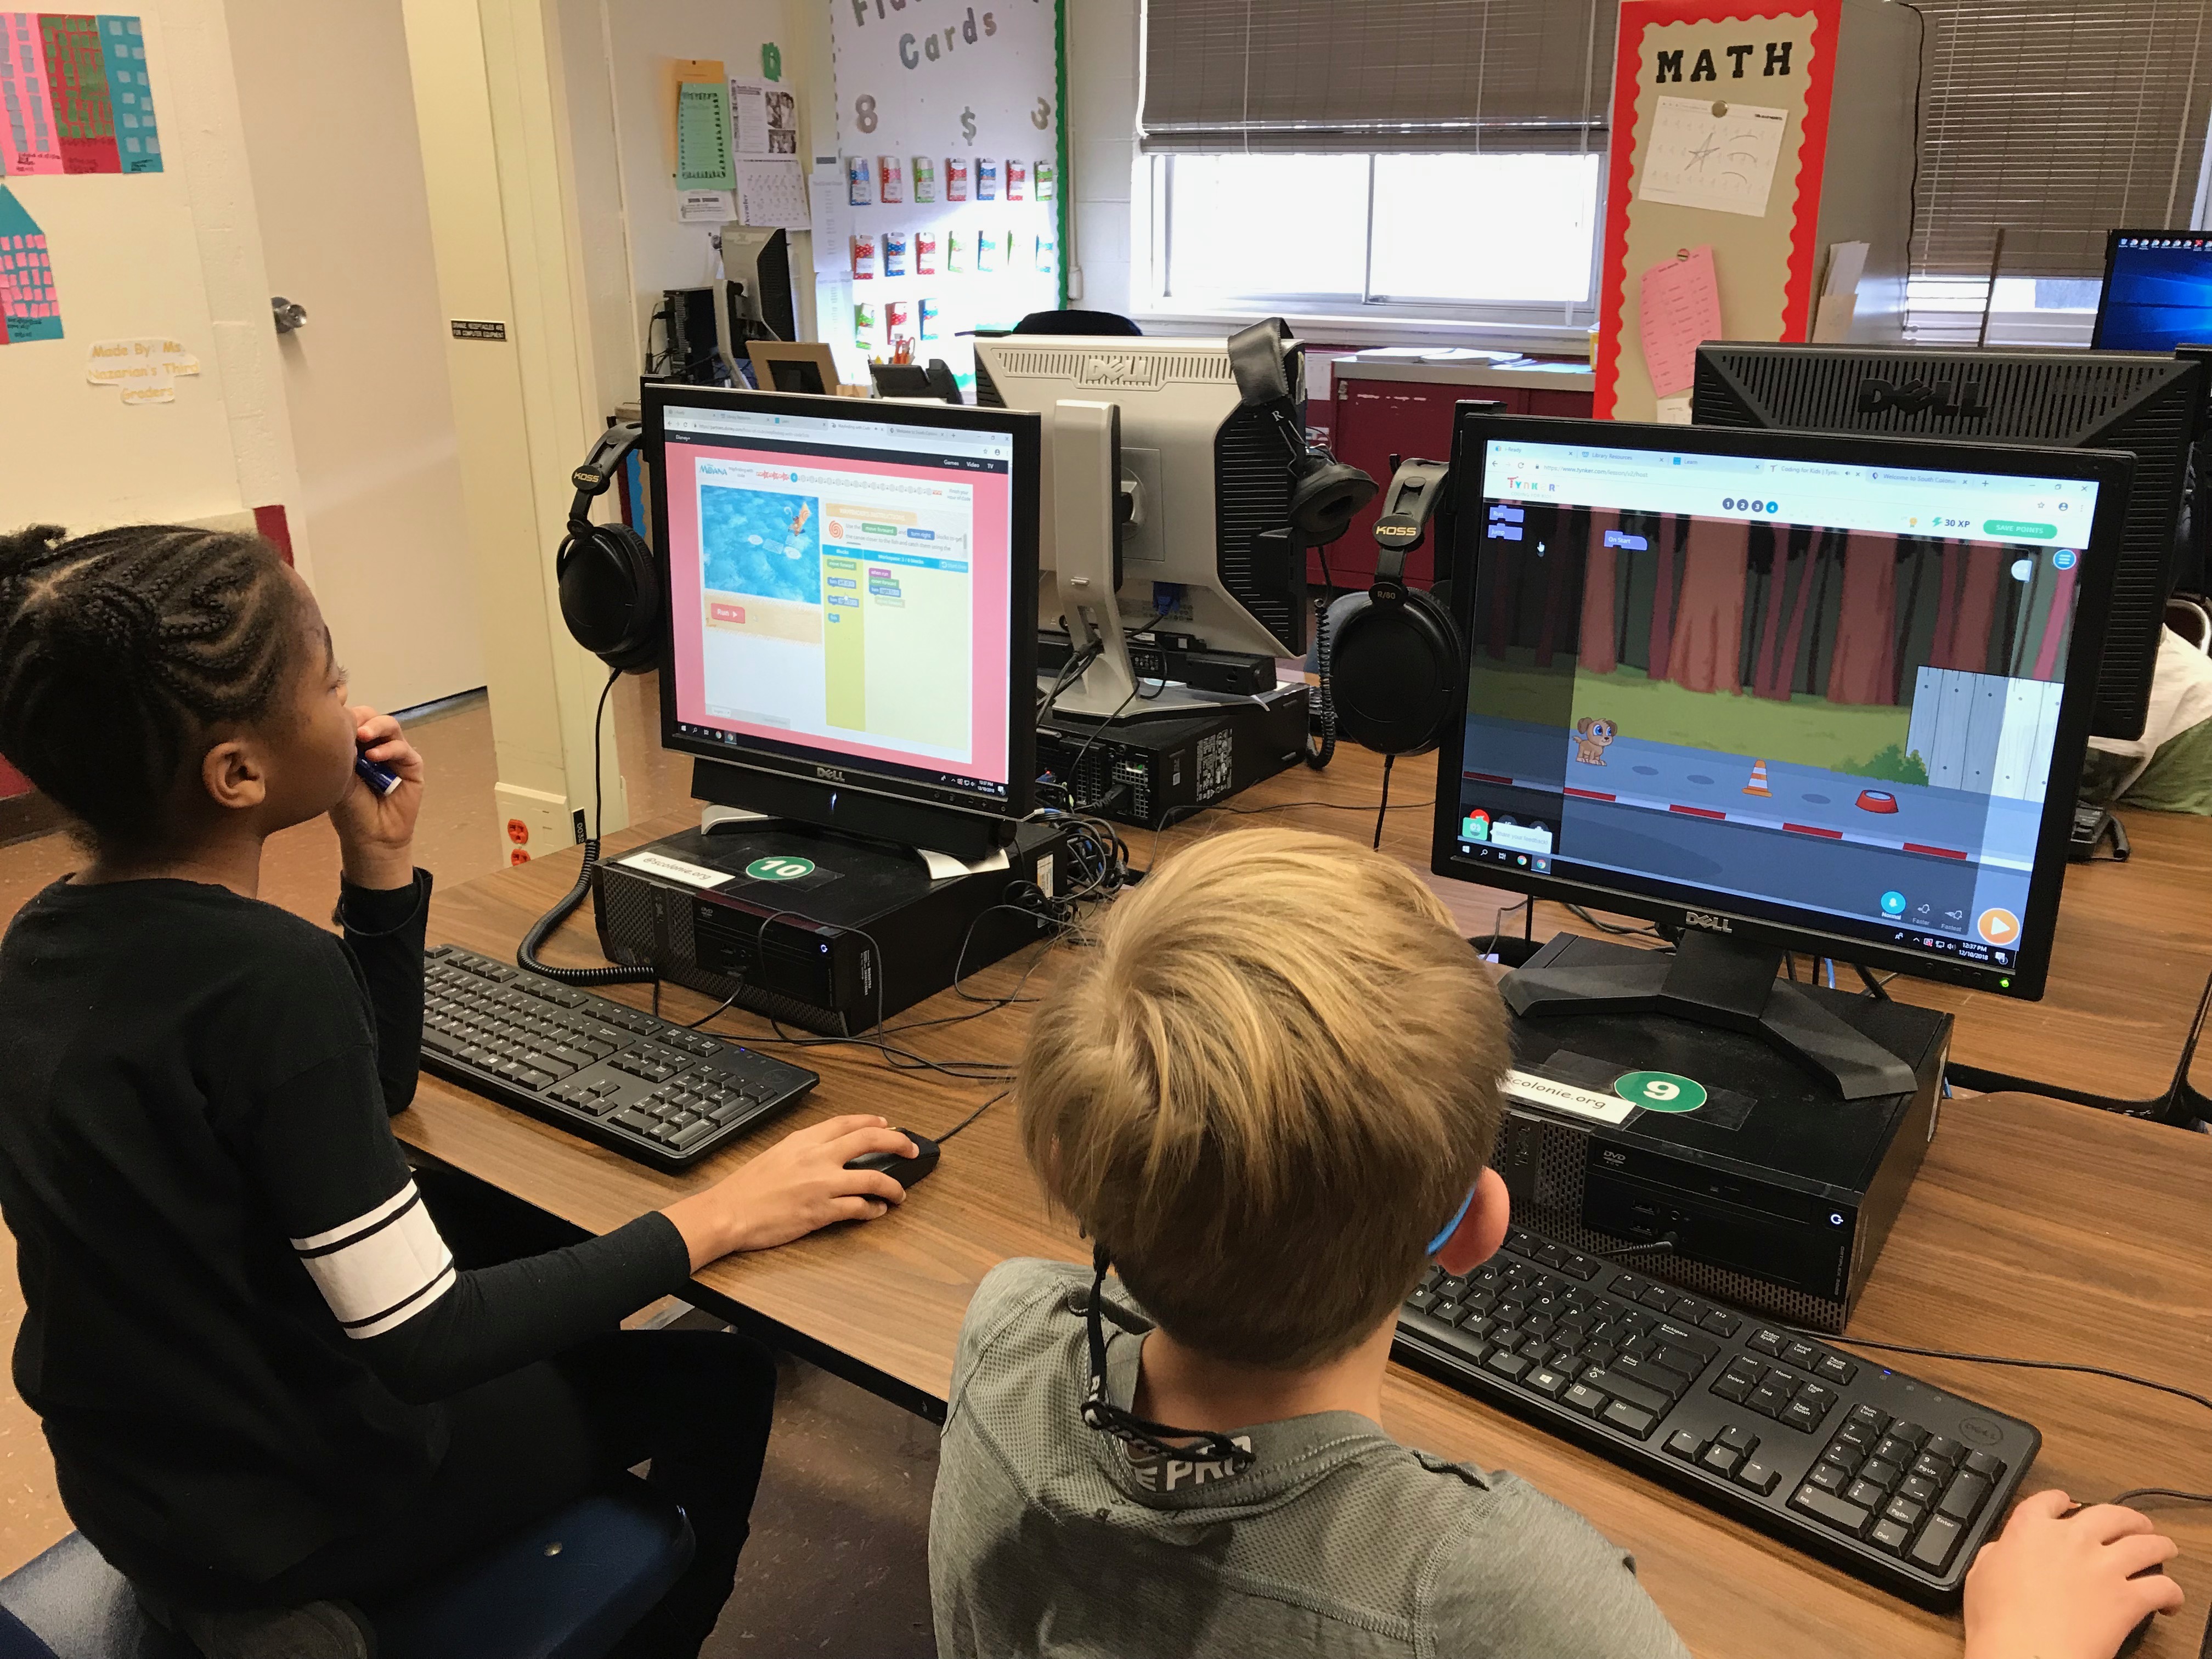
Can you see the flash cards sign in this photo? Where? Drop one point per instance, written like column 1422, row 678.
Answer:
column 945, row 75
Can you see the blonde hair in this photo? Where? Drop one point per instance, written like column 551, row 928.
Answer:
column 1268, row 1087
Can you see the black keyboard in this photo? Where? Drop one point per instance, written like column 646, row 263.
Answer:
column 647, row 1088
column 1896, row 1481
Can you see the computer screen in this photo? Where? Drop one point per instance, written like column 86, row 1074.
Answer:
column 1824, row 690
column 2158, row 291
column 845, row 589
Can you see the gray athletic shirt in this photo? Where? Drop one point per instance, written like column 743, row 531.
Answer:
column 1048, row 1538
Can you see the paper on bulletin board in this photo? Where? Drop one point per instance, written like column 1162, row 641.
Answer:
column 702, row 136
column 705, row 207
column 1679, row 309
column 1708, row 153
column 146, row 369
column 772, row 193
column 832, row 220
column 765, row 117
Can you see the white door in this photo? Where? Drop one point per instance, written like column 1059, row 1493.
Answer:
column 327, row 107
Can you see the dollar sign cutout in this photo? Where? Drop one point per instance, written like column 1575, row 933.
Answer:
column 1040, row 117
column 864, row 113
column 968, row 124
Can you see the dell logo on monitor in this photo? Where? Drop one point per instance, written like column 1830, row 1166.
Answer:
column 829, row 774
column 1917, row 397
column 1706, row 920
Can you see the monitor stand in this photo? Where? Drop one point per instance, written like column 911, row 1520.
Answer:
column 1712, row 980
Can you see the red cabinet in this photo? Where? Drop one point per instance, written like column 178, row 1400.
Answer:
column 1381, row 410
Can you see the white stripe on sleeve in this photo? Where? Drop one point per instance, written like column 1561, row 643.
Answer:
column 380, row 1269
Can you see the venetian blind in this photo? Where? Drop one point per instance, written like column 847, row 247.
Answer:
column 1382, row 77
column 2056, row 120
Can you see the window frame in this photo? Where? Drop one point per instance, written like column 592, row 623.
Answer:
column 1360, row 318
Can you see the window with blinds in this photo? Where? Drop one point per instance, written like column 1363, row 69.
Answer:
column 2056, row 120
column 1388, row 76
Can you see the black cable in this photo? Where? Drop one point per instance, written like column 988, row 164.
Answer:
column 1576, row 910
column 1388, row 761
column 973, row 1115
column 1075, row 766
column 1876, row 988
column 693, row 1025
column 2134, row 1493
column 526, row 955
column 1655, row 1246
column 1999, row 1359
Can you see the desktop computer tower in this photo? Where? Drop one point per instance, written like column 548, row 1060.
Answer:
column 828, row 932
column 1777, row 1193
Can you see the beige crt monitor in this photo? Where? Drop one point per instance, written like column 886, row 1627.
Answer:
column 1203, row 475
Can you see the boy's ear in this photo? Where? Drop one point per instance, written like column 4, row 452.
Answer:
column 1481, row 1230
column 231, row 772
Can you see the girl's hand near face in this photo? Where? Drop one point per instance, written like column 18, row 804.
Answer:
column 376, row 833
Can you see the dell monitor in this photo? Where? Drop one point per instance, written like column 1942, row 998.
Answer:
column 851, row 588
column 1205, row 480
column 2158, row 290
column 2146, row 406
column 1775, row 692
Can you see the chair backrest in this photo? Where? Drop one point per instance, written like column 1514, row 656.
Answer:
column 1076, row 322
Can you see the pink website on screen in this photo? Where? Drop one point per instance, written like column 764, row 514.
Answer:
column 854, row 602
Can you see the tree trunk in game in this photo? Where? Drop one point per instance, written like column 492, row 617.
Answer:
column 1666, row 545
column 1705, row 653
column 1862, row 668
column 1595, row 654
column 1964, row 643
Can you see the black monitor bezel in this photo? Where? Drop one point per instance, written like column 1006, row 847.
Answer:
column 2112, row 239
column 821, row 767
column 2111, row 469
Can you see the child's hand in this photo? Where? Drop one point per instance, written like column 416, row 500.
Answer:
column 797, row 1185
column 2060, row 1586
column 376, row 833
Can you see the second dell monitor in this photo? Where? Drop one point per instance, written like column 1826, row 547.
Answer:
column 1826, row 693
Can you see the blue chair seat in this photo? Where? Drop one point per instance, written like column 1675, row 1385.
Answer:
column 565, row 1587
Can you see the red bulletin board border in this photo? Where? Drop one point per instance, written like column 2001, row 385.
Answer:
column 1811, row 162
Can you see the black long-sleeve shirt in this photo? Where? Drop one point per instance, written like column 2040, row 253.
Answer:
column 239, row 1316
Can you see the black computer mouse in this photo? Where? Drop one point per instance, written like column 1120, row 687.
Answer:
column 2134, row 1639
column 904, row 1171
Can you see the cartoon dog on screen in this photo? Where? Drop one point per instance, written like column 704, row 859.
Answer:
column 1591, row 737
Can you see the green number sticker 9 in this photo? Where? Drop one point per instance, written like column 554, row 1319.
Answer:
column 1661, row 1091
column 780, row 869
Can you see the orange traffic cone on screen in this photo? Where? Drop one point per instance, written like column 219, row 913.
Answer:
column 1757, row 784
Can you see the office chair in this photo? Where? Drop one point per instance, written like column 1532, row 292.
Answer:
column 1075, row 322
column 567, row 1586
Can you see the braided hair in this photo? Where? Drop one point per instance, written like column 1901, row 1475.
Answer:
column 119, row 650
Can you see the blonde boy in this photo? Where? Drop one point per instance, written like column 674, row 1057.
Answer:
column 1262, row 1095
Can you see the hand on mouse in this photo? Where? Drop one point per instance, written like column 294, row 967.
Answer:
column 2061, row 1586
column 797, row 1185
column 376, row 833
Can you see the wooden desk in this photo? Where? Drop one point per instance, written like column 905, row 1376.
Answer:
column 2037, row 1227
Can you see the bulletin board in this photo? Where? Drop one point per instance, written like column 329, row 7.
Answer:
column 949, row 214
column 1720, row 136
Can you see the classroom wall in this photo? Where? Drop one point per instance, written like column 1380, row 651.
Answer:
column 617, row 53
column 345, row 226
column 175, row 253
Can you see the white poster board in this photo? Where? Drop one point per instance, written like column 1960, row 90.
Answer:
column 948, row 152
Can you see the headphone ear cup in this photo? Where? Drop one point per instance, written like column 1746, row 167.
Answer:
column 610, row 594
column 1393, row 672
column 1327, row 496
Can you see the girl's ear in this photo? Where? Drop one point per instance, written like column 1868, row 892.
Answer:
column 1481, row 1230
column 232, row 775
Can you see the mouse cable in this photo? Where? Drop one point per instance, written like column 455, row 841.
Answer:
column 973, row 1115
column 1382, row 809
column 2134, row 1493
column 1656, row 1245
column 2000, row 1359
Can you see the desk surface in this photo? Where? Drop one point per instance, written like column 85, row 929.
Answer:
column 2037, row 1229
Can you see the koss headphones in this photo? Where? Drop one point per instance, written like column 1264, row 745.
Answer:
column 1326, row 495
column 608, row 573
column 1394, row 654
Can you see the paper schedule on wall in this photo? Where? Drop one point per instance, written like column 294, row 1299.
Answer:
column 29, row 308
column 772, row 193
column 702, row 136
column 1707, row 152
column 1678, row 304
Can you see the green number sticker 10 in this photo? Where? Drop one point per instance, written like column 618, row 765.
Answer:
column 1661, row 1091
column 780, row 869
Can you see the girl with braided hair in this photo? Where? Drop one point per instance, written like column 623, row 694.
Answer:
column 276, row 1400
